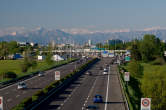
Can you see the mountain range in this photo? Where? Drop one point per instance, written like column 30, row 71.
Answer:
column 44, row 36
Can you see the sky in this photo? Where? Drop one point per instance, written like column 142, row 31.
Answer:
column 83, row 14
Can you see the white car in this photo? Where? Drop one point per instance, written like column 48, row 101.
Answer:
column 89, row 73
column 41, row 74
column 21, row 85
column 105, row 71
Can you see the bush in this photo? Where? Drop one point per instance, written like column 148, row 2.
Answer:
column 10, row 75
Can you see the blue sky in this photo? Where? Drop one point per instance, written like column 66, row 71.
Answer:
column 90, row 14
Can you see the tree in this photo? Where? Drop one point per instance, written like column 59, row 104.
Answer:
column 150, row 47
column 49, row 58
column 29, row 62
column 135, row 69
column 135, row 53
column 4, row 51
column 13, row 47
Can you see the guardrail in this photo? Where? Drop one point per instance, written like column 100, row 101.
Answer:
column 123, row 90
column 22, row 78
column 55, row 87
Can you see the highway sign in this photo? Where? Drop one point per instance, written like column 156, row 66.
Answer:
column 164, row 53
column 127, row 58
column 145, row 103
column 57, row 75
column 1, row 103
column 127, row 76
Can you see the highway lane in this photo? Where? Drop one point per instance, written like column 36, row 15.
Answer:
column 108, row 87
column 75, row 96
column 116, row 99
column 80, row 94
column 12, row 96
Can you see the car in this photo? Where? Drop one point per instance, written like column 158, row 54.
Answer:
column 91, row 107
column 89, row 73
column 21, row 85
column 97, row 99
column 41, row 74
column 105, row 71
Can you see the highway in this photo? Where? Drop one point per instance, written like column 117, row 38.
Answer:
column 80, row 94
column 12, row 96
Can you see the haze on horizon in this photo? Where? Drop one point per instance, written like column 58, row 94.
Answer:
column 83, row 14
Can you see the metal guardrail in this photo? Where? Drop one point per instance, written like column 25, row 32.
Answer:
column 123, row 92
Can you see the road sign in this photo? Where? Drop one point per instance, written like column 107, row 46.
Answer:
column 127, row 76
column 1, row 103
column 127, row 58
column 145, row 103
column 57, row 75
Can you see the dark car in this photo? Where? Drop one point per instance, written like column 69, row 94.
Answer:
column 91, row 107
column 98, row 99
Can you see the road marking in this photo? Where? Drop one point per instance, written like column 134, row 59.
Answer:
column 9, row 100
column 17, row 96
column 7, row 93
column 90, row 91
column 107, row 90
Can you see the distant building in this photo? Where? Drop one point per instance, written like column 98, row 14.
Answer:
column 89, row 42
column 23, row 43
column 40, row 57
column 114, row 41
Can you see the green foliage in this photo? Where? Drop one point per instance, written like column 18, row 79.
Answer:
column 154, row 86
column 135, row 52
column 135, row 68
column 29, row 61
column 48, row 59
column 150, row 47
column 158, row 61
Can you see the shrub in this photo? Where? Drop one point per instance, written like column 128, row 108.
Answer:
column 10, row 75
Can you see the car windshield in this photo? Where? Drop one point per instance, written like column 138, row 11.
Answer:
column 21, row 84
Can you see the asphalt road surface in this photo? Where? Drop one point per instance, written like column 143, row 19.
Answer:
column 12, row 96
column 80, row 94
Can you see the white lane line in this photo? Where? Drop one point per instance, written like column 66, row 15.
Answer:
column 91, row 90
column 107, row 91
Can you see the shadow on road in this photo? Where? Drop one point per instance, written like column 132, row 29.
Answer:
column 113, row 102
